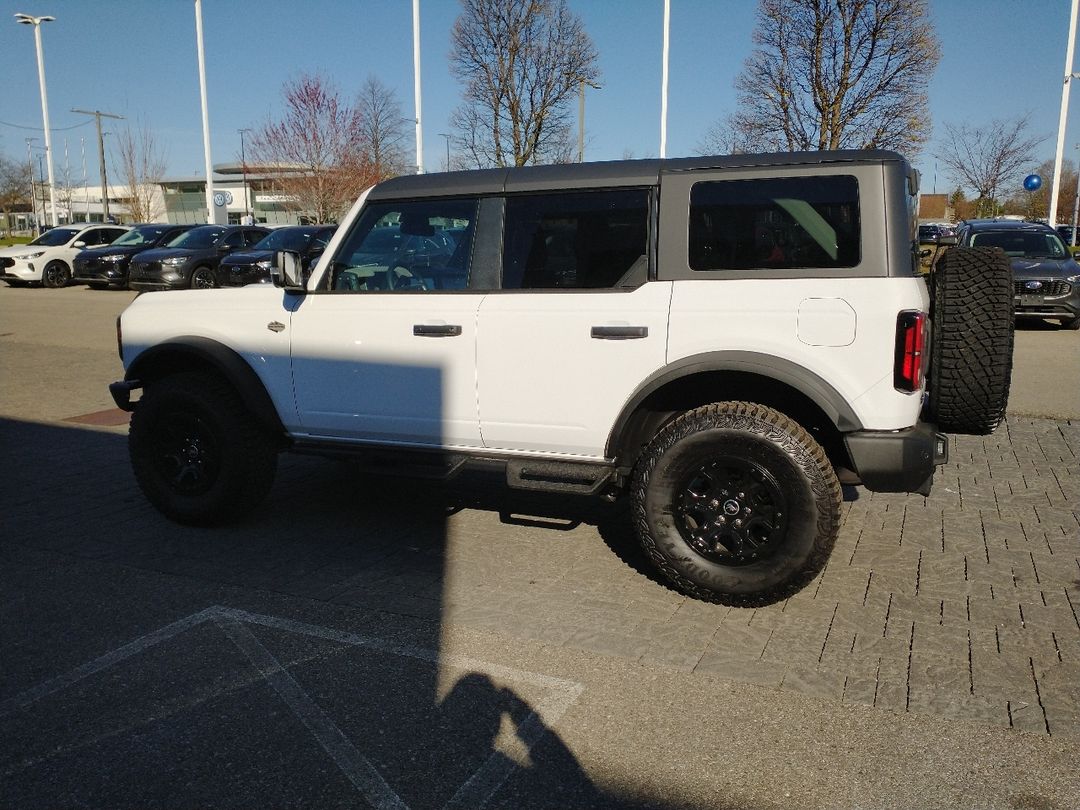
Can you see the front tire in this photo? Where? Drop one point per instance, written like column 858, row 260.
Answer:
column 202, row 278
column 736, row 503
column 197, row 454
column 55, row 275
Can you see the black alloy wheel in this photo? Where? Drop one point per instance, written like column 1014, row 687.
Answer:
column 731, row 511
column 202, row 278
column 186, row 453
column 55, row 275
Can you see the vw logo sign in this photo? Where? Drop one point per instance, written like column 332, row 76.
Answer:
column 1033, row 285
column 223, row 198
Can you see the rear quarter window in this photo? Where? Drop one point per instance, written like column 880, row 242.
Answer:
column 781, row 223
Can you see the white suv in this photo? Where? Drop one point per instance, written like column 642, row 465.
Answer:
column 725, row 339
column 48, row 259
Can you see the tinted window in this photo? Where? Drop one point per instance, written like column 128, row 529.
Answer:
column 234, row 239
column 54, row 237
column 252, row 238
column 780, row 223
column 285, row 239
column 1029, row 244
column 141, row 236
column 198, row 238
column 403, row 246
column 584, row 240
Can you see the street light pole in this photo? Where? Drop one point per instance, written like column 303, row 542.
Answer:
column 1055, row 185
column 211, row 216
column 664, row 80
column 26, row 19
column 33, row 194
column 416, row 89
column 447, row 136
column 98, row 115
column 243, row 169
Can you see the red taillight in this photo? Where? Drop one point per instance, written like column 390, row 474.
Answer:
column 910, row 348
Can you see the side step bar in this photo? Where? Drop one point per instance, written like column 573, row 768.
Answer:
column 558, row 476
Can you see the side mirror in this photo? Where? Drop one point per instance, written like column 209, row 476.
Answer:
column 287, row 271
column 78, row 243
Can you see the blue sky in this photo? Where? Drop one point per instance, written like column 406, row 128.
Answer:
column 1001, row 59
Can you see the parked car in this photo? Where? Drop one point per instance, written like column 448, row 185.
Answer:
column 614, row 328
column 48, row 259
column 1046, row 278
column 1066, row 233
column 191, row 260
column 103, row 268
column 253, row 266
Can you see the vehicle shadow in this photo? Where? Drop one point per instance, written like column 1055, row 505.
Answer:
column 293, row 658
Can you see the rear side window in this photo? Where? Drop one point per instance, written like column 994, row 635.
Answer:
column 576, row 240
column 780, row 223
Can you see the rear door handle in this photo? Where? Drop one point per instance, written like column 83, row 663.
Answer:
column 620, row 332
column 435, row 330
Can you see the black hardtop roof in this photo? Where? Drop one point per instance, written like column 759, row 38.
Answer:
column 605, row 174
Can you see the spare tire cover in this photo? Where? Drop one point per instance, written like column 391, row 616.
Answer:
column 971, row 349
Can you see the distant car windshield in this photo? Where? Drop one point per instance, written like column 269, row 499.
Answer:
column 198, row 238
column 57, row 236
column 1023, row 244
column 285, row 239
column 141, row 236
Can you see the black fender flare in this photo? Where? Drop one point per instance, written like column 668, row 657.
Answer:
column 806, row 382
column 196, row 351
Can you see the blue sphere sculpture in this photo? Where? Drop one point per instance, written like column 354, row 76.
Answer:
column 1032, row 182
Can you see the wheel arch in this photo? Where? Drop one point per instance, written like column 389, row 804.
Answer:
column 729, row 376
column 194, row 353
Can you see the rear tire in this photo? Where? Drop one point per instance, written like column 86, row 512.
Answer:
column 197, row 454
column 971, row 349
column 736, row 503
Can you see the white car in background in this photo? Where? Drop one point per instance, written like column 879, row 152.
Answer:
column 48, row 259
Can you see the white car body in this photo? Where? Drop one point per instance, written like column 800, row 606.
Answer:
column 30, row 260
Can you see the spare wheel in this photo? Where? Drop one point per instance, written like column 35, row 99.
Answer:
column 971, row 349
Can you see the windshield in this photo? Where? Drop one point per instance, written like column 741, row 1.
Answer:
column 57, row 236
column 198, row 238
column 1023, row 244
column 285, row 239
column 140, row 236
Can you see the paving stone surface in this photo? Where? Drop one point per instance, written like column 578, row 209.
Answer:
column 965, row 604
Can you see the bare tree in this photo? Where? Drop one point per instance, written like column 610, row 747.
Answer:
column 521, row 63
column 14, row 185
column 837, row 74
column 982, row 158
column 318, row 148
column 142, row 166
column 383, row 127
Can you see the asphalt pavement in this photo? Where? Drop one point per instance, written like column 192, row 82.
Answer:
column 367, row 641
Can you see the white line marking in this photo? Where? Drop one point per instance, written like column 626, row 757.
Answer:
column 476, row 791
column 352, row 763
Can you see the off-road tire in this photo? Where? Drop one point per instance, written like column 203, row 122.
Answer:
column 793, row 482
column 971, row 342
column 55, row 275
column 197, row 454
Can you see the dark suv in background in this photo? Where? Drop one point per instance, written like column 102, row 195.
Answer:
column 1046, row 278
column 191, row 260
column 253, row 266
column 108, row 267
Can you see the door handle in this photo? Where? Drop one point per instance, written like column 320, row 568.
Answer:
column 435, row 330
column 619, row 332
